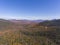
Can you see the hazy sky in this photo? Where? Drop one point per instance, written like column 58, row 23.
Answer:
column 30, row 9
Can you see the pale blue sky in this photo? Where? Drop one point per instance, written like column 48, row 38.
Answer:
column 30, row 9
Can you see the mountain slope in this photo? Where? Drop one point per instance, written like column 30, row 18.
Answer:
column 50, row 23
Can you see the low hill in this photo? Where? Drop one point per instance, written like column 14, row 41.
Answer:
column 7, row 25
column 50, row 23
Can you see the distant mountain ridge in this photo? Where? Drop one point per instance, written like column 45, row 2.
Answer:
column 55, row 22
column 25, row 21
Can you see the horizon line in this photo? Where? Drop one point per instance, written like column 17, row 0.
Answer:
column 26, row 19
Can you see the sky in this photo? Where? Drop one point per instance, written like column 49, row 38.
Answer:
column 30, row 9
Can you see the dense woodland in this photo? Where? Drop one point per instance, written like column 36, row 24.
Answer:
column 42, row 33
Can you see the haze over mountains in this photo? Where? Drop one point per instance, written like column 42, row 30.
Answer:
column 29, row 32
column 37, row 21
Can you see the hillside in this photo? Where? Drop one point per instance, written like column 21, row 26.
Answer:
column 43, row 33
column 4, row 24
column 50, row 23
